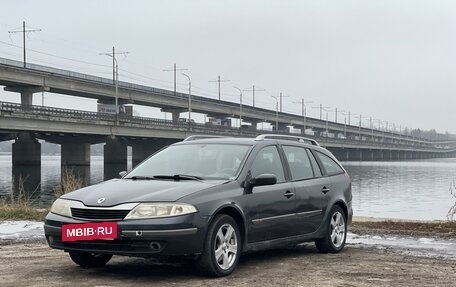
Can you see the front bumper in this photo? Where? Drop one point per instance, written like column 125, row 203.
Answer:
column 173, row 236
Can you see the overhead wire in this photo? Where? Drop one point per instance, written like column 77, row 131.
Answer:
column 167, row 84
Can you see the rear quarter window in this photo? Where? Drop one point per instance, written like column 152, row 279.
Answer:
column 329, row 165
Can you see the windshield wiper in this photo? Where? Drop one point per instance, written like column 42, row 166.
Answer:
column 141, row 177
column 179, row 177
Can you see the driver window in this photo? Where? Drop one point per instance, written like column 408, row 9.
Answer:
column 268, row 161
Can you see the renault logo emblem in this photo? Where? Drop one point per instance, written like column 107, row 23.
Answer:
column 101, row 200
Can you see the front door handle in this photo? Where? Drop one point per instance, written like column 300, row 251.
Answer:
column 324, row 189
column 288, row 194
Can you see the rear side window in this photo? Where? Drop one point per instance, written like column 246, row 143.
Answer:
column 299, row 162
column 330, row 166
column 268, row 161
column 315, row 165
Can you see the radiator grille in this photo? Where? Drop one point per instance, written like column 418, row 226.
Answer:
column 98, row 214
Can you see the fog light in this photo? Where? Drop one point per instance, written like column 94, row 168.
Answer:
column 155, row 246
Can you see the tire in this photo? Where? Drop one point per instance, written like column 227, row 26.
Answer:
column 222, row 247
column 336, row 232
column 85, row 259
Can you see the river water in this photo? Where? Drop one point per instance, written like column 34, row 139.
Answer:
column 407, row 190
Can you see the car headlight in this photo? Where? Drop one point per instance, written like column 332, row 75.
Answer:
column 61, row 207
column 157, row 210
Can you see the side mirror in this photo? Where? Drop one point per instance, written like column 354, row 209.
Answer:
column 122, row 174
column 262, row 179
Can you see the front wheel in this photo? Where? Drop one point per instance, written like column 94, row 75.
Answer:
column 222, row 247
column 336, row 232
column 85, row 259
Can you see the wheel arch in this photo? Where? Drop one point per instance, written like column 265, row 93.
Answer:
column 343, row 206
column 236, row 213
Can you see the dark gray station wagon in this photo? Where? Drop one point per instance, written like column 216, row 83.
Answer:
column 212, row 199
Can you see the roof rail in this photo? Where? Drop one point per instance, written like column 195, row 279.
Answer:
column 200, row 137
column 287, row 137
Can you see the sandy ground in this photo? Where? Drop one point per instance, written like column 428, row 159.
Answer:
column 34, row 264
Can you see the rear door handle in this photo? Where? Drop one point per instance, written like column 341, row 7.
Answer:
column 324, row 189
column 288, row 194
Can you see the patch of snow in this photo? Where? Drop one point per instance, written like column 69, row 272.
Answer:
column 21, row 229
column 424, row 246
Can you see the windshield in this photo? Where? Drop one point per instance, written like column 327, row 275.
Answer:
column 206, row 161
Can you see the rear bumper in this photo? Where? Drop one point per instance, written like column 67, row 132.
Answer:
column 174, row 236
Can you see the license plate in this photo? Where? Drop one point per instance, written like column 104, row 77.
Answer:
column 89, row 231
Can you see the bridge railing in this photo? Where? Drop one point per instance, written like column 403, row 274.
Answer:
column 32, row 110
column 14, row 109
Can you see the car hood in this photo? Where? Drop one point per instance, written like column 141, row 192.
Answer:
column 118, row 191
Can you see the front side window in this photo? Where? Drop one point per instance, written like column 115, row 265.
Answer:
column 208, row 161
column 268, row 161
column 330, row 166
column 299, row 162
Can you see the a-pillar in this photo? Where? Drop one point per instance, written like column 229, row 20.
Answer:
column 115, row 158
column 143, row 149
column 26, row 160
column 75, row 161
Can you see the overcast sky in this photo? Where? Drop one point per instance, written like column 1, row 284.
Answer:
column 389, row 60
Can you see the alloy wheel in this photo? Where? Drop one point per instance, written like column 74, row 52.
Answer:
column 225, row 247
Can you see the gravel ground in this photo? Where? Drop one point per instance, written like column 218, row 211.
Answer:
column 35, row 264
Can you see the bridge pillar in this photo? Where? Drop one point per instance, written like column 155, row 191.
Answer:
column 175, row 113
column 282, row 127
column 115, row 158
column 26, row 159
column 254, row 125
column 75, row 159
column 377, row 155
column 356, row 155
column 339, row 153
column 389, row 155
column 143, row 149
column 26, row 92
column 175, row 116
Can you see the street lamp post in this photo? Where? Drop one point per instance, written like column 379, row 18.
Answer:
column 277, row 113
column 359, row 126
column 116, row 78
column 303, row 112
column 116, row 82
column 189, row 100
column 321, row 111
column 240, row 109
column 345, row 124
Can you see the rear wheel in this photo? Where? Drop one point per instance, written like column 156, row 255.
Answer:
column 222, row 247
column 86, row 259
column 336, row 232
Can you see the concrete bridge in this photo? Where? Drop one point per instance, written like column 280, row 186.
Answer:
column 76, row 130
